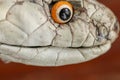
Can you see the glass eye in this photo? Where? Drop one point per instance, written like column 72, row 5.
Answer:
column 62, row 12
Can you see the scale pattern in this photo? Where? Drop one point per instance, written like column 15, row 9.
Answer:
column 29, row 35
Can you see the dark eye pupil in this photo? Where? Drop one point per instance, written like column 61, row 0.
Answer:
column 65, row 14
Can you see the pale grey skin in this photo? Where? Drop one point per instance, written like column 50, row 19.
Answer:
column 29, row 35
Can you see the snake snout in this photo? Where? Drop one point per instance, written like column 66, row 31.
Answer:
column 115, row 29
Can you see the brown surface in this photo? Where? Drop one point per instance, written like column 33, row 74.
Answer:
column 106, row 67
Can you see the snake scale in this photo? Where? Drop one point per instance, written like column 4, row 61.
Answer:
column 30, row 35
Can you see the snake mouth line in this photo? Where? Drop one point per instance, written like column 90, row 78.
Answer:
column 33, row 47
column 51, row 56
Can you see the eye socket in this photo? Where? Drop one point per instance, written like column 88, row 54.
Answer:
column 62, row 12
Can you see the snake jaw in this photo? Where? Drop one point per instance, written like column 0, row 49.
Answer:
column 51, row 56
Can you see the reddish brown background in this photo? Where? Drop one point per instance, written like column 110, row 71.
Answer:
column 106, row 67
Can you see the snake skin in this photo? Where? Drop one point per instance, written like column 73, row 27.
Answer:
column 29, row 35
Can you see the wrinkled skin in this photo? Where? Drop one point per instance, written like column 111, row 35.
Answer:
column 29, row 35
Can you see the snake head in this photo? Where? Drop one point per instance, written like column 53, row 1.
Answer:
column 55, row 32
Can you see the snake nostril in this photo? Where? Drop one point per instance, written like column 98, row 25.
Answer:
column 116, row 27
column 102, row 32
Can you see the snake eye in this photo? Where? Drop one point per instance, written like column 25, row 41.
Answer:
column 62, row 12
